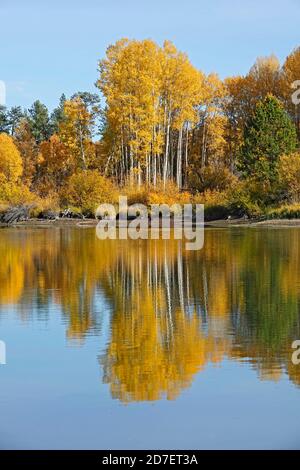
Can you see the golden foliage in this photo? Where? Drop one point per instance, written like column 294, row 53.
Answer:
column 10, row 159
column 87, row 190
column 56, row 164
column 289, row 175
column 75, row 133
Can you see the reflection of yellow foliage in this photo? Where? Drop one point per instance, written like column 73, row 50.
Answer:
column 151, row 356
column 219, row 298
column 11, row 280
column 293, row 372
column 274, row 374
column 172, row 312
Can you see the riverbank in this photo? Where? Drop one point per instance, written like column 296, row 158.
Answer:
column 52, row 223
column 214, row 223
column 254, row 223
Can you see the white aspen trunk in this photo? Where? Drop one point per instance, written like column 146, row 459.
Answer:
column 179, row 160
column 126, row 161
column 168, row 292
column 166, row 158
column 188, row 285
column 205, row 291
column 122, row 159
column 130, row 149
column 203, row 152
column 107, row 164
column 82, row 147
column 139, row 175
column 171, row 158
column 180, row 278
column 186, row 154
column 167, row 142
column 155, row 280
column 147, row 168
column 131, row 168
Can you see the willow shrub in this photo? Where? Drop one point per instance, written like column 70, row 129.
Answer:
column 86, row 190
column 14, row 194
column 288, row 211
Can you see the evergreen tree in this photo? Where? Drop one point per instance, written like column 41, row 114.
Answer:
column 4, row 123
column 15, row 115
column 268, row 134
column 39, row 122
column 58, row 115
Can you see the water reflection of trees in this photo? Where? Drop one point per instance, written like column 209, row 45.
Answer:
column 157, row 341
column 171, row 311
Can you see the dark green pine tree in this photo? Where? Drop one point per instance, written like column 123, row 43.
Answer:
column 39, row 122
column 4, row 121
column 268, row 134
column 15, row 116
column 58, row 115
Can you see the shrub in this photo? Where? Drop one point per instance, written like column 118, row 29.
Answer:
column 136, row 195
column 215, row 204
column 50, row 203
column 214, row 178
column 86, row 190
column 242, row 201
column 289, row 211
column 289, row 176
column 46, row 205
column 236, row 201
column 168, row 194
column 15, row 194
column 159, row 194
column 210, row 197
column 216, row 212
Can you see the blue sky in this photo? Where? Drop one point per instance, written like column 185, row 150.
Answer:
column 52, row 47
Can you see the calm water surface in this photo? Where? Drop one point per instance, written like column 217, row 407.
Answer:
column 141, row 344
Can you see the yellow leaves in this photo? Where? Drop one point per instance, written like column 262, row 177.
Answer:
column 289, row 175
column 291, row 69
column 148, row 90
column 87, row 189
column 76, row 112
column 28, row 149
column 75, row 132
column 182, row 86
column 290, row 74
column 10, row 159
column 265, row 69
column 243, row 92
column 159, row 194
column 12, row 191
column 40, row 159
column 55, row 163
column 54, row 153
column 129, row 81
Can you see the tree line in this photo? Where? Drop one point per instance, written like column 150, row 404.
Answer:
column 157, row 122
